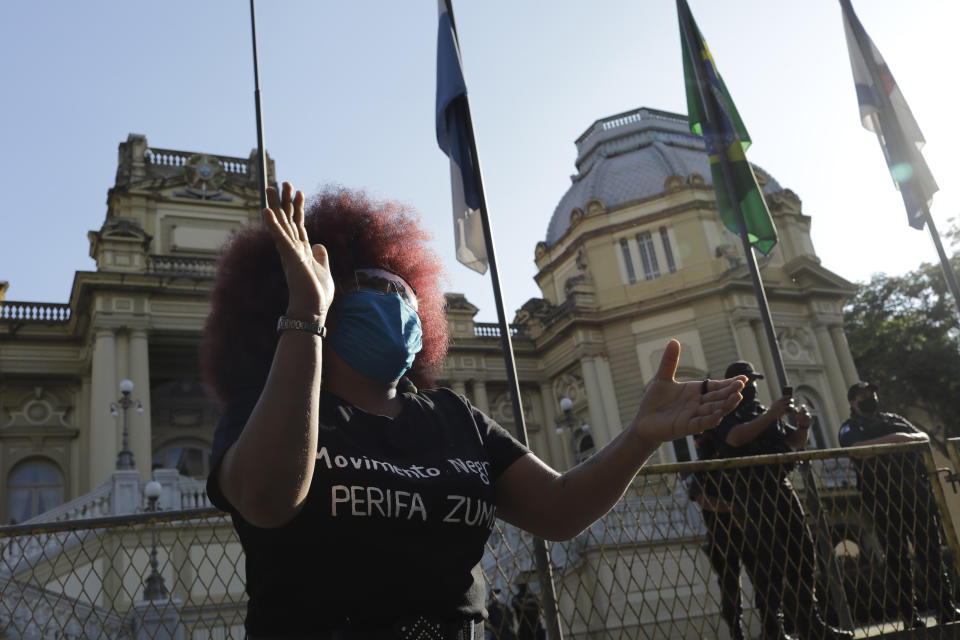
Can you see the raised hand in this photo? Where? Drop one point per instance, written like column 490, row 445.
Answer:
column 307, row 269
column 781, row 406
column 671, row 409
column 803, row 417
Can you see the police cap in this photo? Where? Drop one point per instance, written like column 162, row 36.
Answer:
column 860, row 386
column 742, row 368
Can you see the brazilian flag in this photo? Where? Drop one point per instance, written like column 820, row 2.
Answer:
column 726, row 136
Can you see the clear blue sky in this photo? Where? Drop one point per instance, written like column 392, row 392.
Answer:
column 348, row 98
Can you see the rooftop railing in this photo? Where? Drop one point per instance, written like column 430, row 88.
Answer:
column 491, row 330
column 50, row 312
column 171, row 158
column 181, row 266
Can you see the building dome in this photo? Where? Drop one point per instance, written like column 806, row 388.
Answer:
column 628, row 157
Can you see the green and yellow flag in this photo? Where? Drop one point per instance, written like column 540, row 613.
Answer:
column 723, row 133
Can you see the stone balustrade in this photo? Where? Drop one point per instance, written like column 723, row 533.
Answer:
column 171, row 158
column 122, row 498
column 181, row 266
column 51, row 312
column 490, row 330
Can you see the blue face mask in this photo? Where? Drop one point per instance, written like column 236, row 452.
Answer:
column 378, row 334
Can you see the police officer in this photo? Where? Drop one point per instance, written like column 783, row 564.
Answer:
column 896, row 490
column 782, row 543
column 501, row 622
column 526, row 605
column 713, row 490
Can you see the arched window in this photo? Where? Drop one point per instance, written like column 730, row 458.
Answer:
column 34, row 486
column 585, row 447
column 189, row 458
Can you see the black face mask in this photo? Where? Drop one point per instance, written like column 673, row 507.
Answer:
column 868, row 405
column 749, row 394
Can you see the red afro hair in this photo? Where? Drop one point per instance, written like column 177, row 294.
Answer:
column 250, row 291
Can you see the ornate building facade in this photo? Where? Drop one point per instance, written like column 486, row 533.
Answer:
column 138, row 316
column 633, row 255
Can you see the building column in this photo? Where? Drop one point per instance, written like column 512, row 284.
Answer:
column 139, row 423
column 103, row 392
column 557, row 445
column 480, row 396
column 830, row 420
column 746, row 343
column 838, row 390
column 80, row 448
column 610, row 407
column 600, row 430
column 459, row 386
column 842, row 349
column 766, row 357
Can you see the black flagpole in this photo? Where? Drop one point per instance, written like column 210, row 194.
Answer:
column 944, row 261
column 812, row 494
column 261, row 154
column 706, row 99
column 863, row 43
column 542, row 558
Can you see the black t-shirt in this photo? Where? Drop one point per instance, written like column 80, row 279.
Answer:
column 857, row 429
column 715, row 483
column 881, row 476
column 771, row 440
column 394, row 524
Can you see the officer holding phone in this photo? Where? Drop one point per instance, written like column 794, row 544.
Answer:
column 774, row 520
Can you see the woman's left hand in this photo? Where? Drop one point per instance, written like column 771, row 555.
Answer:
column 670, row 410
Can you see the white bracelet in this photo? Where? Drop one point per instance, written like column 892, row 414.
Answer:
column 284, row 323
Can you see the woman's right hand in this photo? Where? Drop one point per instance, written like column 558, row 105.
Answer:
column 307, row 269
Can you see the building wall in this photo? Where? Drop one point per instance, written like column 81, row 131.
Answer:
column 595, row 336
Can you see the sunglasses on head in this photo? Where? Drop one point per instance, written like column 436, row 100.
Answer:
column 382, row 280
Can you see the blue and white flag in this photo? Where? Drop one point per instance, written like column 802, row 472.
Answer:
column 884, row 111
column 454, row 140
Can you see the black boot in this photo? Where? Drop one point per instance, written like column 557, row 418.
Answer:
column 912, row 619
column 948, row 613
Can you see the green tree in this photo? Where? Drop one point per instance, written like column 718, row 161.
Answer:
column 904, row 335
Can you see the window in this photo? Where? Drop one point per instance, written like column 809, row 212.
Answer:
column 584, row 447
column 35, row 486
column 627, row 261
column 668, row 250
column 651, row 269
column 189, row 459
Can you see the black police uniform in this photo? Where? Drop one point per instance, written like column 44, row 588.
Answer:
column 725, row 546
column 896, row 491
column 784, row 547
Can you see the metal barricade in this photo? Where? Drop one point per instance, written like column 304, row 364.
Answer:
column 853, row 537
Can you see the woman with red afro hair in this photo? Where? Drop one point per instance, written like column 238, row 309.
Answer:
column 363, row 503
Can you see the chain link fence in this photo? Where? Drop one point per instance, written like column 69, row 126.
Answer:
column 854, row 538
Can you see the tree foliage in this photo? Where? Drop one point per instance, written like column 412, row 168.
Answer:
column 903, row 333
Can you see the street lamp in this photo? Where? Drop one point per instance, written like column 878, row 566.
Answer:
column 566, row 406
column 125, row 457
column 154, row 588
column 568, row 421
